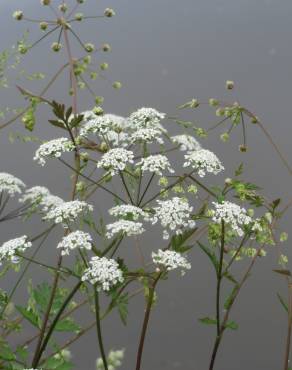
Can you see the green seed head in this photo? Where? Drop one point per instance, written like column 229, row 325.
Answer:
column 89, row 47
column 18, row 15
column 109, row 12
column 229, row 85
column 104, row 66
column 117, row 85
column 56, row 46
column 43, row 26
column 106, row 47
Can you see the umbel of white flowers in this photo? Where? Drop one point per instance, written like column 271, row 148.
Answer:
column 103, row 272
column 174, row 215
column 170, row 260
column 41, row 196
column 232, row 214
column 10, row 184
column 114, row 360
column 9, row 249
column 68, row 212
column 76, row 239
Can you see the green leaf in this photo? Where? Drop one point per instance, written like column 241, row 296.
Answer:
column 122, row 305
column 29, row 315
column 231, row 325
column 67, row 324
column 208, row 321
column 283, row 303
column 6, row 352
column 212, row 256
column 283, row 272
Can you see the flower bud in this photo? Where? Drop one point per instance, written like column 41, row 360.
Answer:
column 229, row 85
column 22, row 49
column 224, row 137
column 243, row 148
column 250, row 212
column 106, row 47
column 117, row 85
column 84, row 156
column 254, row 119
column 213, row 102
column 18, row 15
column 99, row 99
column 220, row 112
column 283, row 237
column 45, row 2
column 98, row 111
column 79, row 17
column 63, row 8
column 104, row 66
column 228, row 181
column 56, row 46
column 93, row 75
column 103, row 146
column 109, row 12
column 43, row 26
column 89, row 47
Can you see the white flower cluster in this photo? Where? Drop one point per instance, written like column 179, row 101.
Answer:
column 100, row 125
column 104, row 272
column 125, row 227
column 170, row 260
column 53, row 149
column 186, row 142
column 9, row 249
column 41, row 196
column 34, row 195
column 173, row 214
column 114, row 360
column 76, row 239
column 204, row 161
column 115, row 160
column 155, row 163
column 146, row 135
column 146, row 118
column 10, row 184
column 232, row 214
column 68, row 211
column 128, row 211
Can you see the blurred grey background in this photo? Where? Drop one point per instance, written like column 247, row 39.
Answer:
column 166, row 52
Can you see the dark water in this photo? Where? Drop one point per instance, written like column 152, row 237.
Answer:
column 166, row 52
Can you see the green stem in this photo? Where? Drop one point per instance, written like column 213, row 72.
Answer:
column 98, row 329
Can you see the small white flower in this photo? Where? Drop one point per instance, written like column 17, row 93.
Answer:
column 68, row 211
column 232, row 214
column 146, row 135
column 204, row 161
column 34, row 195
column 76, row 239
column 9, row 249
column 116, row 160
column 170, row 260
column 50, row 201
column 53, row 149
column 125, row 227
column 10, row 184
column 114, row 360
column 174, row 215
column 155, row 163
column 104, row 272
column 186, row 142
column 146, row 118
column 128, row 211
